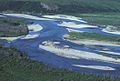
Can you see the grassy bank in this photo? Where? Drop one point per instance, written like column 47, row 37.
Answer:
column 93, row 36
column 109, row 20
column 10, row 27
column 15, row 66
column 101, row 18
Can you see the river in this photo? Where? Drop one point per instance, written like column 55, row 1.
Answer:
column 53, row 32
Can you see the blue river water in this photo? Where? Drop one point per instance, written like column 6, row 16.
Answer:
column 51, row 31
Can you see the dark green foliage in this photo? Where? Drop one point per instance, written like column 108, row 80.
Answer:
column 71, row 6
column 13, row 27
column 15, row 66
column 101, row 18
column 13, row 21
column 21, row 6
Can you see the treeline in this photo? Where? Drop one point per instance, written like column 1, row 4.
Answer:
column 21, row 6
column 60, row 6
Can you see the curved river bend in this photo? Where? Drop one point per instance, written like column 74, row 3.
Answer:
column 52, row 31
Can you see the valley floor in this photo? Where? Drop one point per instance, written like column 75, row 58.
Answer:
column 45, row 43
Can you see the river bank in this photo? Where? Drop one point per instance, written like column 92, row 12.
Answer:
column 52, row 31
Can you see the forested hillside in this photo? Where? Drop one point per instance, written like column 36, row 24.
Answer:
column 60, row 6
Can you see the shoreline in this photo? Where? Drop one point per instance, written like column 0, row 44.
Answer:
column 116, row 33
column 60, row 16
column 26, row 16
column 31, row 28
column 69, row 54
column 77, row 54
column 74, row 25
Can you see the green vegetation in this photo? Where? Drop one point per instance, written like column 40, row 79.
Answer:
column 15, row 66
column 94, row 36
column 60, row 6
column 13, row 27
column 101, row 18
column 13, row 21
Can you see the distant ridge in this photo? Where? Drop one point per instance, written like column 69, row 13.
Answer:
column 60, row 6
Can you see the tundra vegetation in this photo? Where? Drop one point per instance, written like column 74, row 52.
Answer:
column 60, row 6
column 15, row 66
column 11, row 27
column 94, row 36
column 104, row 20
